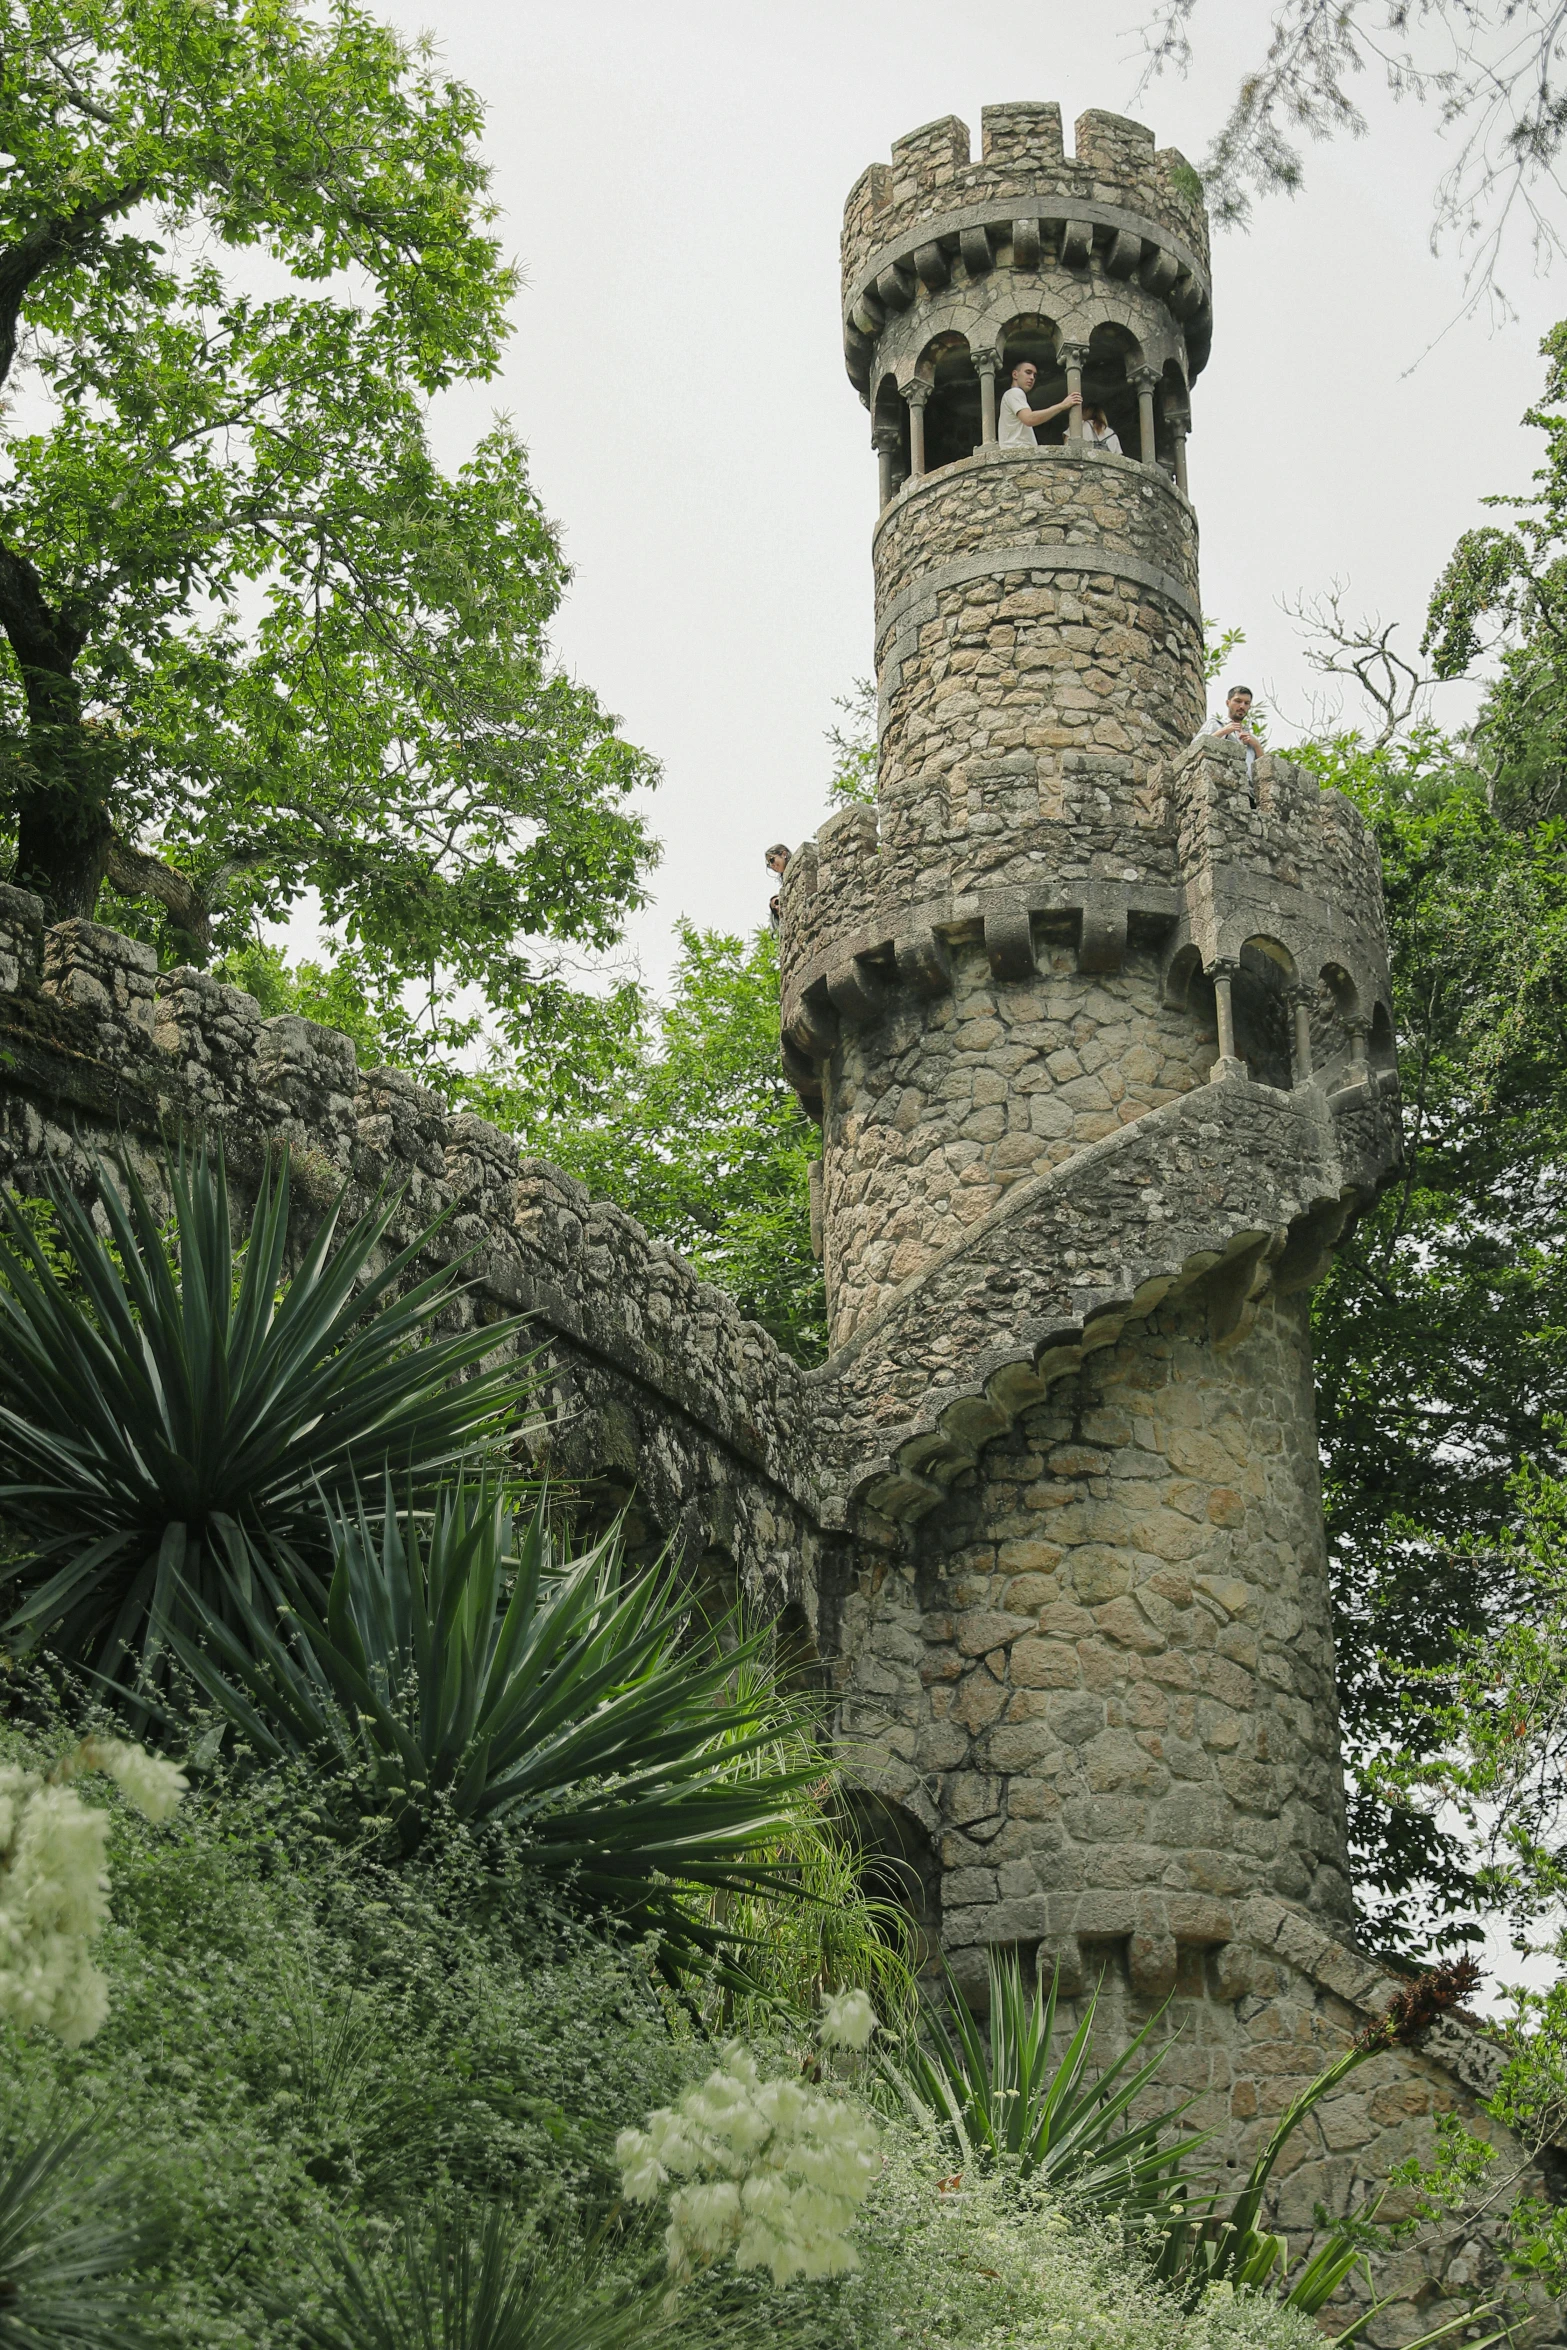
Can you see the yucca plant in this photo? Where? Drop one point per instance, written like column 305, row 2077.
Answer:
column 1003, row 2095
column 69, row 2241
column 450, row 1666
column 471, row 2279
column 177, row 1396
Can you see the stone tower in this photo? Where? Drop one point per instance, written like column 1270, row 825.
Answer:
column 1095, row 1016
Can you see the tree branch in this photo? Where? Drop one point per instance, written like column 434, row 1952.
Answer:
column 45, row 245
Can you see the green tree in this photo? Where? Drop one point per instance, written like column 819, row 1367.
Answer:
column 703, row 1141
column 1504, row 594
column 1442, row 1327
column 256, row 641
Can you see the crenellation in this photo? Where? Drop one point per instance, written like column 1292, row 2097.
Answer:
column 97, row 972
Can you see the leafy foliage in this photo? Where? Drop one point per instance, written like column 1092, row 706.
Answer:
column 1007, row 2098
column 704, row 1142
column 176, row 1397
column 1442, row 1328
column 305, row 2042
column 1504, row 592
column 447, row 1675
column 70, row 2238
column 854, row 747
column 256, row 640
column 471, row 2279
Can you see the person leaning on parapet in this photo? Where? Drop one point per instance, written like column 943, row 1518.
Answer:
column 1237, row 728
column 777, row 861
column 1237, row 725
column 1015, row 425
column 1099, row 433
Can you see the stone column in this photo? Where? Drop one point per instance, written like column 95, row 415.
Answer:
column 916, row 393
column 987, row 366
column 1300, row 1012
column 1072, row 357
column 1357, row 1046
column 1145, row 379
column 887, row 441
column 1178, row 431
column 1229, row 1062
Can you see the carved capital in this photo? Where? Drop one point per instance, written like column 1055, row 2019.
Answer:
column 916, row 391
column 1145, row 378
column 1073, row 355
column 886, row 437
column 986, row 358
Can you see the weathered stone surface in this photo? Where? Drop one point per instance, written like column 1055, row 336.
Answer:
column 1050, row 1514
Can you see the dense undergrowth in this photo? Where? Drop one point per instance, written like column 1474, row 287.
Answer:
column 498, row 1974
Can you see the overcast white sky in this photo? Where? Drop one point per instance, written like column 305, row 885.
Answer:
column 672, row 174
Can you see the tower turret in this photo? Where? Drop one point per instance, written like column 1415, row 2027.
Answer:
column 1096, row 1018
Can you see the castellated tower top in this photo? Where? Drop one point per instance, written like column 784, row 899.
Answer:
column 1119, row 210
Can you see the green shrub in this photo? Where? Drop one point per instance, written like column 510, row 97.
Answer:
column 302, row 2041
column 176, row 1395
column 988, row 2268
column 445, row 1673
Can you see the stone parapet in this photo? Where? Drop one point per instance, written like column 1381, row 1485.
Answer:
column 933, row 216
column 1230, row 1184
column 653, row 1383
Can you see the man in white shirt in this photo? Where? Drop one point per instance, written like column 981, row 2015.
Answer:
column 1236, row 728
column 1016, row 422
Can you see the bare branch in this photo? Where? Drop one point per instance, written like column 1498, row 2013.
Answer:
column 1363, row 652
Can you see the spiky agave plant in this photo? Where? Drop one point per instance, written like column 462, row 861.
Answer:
column 70, row 2237
column 469, row 2278
column 1004, row 2095
column 176, row 1395
column 450, row 1666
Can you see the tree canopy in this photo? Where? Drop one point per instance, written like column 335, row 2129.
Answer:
column 256, row 640
column 699, row 1136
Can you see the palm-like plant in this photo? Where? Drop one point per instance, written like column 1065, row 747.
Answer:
column 445, row 1669
column 69, row 2239
column 177, row 1394
column 471, row 2280
column 1003, row 2095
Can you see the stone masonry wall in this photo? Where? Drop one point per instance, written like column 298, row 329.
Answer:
column 654, row 1387
column 938, row 1110
column 1091, row 642
column 1110, row 1656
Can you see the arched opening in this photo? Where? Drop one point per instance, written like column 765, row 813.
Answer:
column 1184, row 966
column 715, row 1588
column 1030, row 336
column 1335, row 1003
column 1381, row 1043
column 899, row 1864
column 1261, row 1012
column 796, row 1658
column 1172, row 418
column 1112, row 354
column 953, row 422
column 890, row 437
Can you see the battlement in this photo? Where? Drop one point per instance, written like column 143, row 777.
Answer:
column 1213, row 868
column 933, row 215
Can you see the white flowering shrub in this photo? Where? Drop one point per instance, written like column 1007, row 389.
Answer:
column 848, row 2020
column 772, row 2171
column 54, row 1885
column 988, row 2266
